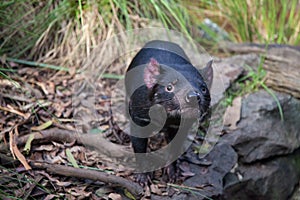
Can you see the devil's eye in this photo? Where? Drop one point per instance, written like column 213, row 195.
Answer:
column 203, row 90
column 169, row 88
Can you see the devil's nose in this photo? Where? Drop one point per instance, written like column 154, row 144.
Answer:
column 192, row 97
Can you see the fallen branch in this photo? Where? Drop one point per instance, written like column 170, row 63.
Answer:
column 95, row 141
column 132, row 187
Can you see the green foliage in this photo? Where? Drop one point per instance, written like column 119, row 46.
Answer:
column 251, row 82
column 24, row 22
column 36, row 64
column 271, row 21
column 55, row 29
column 52, row 29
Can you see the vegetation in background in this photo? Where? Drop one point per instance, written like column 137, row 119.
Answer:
column 65, row 31
column 261, row 21
column 246, row 84
column 251, row 82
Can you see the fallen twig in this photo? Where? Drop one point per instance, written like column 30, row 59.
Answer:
column 66, row 136
column 132, row 187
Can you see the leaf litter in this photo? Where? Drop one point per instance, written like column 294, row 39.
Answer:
column 40, row 100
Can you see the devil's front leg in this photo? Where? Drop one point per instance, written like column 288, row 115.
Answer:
column 170, row 172
column 139, row 145
column 176, row 136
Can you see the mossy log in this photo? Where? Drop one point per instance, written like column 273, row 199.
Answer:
column 281, row 62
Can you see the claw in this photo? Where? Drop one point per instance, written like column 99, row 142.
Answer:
column 143, row 179
column 170, row 173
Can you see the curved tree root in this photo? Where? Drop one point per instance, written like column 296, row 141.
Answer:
column 131, row 186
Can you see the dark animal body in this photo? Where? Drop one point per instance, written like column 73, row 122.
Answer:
column 162, row 74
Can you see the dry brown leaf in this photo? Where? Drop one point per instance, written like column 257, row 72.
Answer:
column 54, row 160
column 233, row 114
column 185, row 168
column 187, row 174
column 147, row 193
column 45, row 147
column 79, row 192
column 102, row 191
column 63, row 183
column 45, row 174
column 201, row 187
column 115, row 196
column 51, row 196
column 15, row 151
column 12, row 143
column 6, row 82
column 59, row 108
column 51, row 87
column 43, row 87
column 155, row 189
column 12, row 110
column 68, row 112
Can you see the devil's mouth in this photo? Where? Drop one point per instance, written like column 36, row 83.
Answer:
column 188, row 113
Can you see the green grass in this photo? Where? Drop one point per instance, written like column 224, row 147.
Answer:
column 50, row 29
column 13, row 183
column 36, row 64
column 251, row 82
column 270, row 21
column 63, row 32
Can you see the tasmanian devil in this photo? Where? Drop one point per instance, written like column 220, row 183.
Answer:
column 162, row 75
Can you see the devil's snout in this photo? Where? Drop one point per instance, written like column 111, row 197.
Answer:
column 192, row 97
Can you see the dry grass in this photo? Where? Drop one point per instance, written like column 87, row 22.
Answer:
column 64, row 32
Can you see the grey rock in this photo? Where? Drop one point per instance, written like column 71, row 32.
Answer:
column 261, row 133
column 223, row 158
column 296, row 194
column 272, row 179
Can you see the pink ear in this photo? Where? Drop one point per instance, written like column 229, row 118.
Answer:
column 151, row 70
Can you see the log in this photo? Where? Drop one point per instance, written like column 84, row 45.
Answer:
column 282, row 64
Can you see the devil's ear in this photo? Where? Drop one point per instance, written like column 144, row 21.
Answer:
column 207, row 73
column 151, row 72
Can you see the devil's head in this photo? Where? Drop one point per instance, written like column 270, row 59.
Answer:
column 179, row 88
